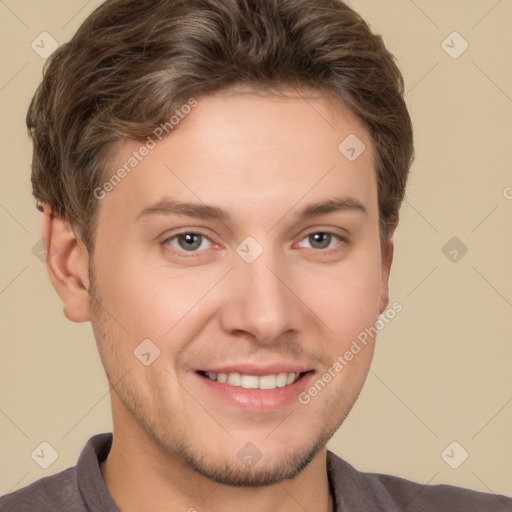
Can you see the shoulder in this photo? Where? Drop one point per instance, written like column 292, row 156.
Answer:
column 55, row 492
column 421, row 497
column 392, row 493
column 76, row 489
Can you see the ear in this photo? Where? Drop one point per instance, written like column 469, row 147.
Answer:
column 67, row 262
column 387, row 259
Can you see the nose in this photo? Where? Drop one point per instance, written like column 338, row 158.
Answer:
column 259, row 299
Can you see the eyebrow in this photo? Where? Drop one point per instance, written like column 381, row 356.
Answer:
column 203, row 211
column 333, row 205
column 172, row 207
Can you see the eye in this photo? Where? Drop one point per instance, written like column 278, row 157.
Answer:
column 322, row 240
column 188, row 241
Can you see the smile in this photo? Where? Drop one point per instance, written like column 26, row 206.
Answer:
column 271, row 381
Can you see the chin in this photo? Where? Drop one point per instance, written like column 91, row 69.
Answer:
column 251, row 468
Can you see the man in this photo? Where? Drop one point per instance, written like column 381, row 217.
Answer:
column 220, row 183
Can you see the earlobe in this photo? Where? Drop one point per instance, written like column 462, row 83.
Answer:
column 387, row 259
column 67, row 262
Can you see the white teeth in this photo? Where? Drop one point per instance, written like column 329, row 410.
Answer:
column 271, row 381
column 267, row 382
column 283, row 379
column 249, row 382
column 234, row 379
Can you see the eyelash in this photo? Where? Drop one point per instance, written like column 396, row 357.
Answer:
column 342, row 242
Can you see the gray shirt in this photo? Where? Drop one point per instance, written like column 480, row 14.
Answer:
column 82, row 489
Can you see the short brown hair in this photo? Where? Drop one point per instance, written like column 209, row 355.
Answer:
column 133, row 62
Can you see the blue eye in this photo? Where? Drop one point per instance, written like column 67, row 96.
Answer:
column 322, row 239
column 188, row 241
column 192, row 242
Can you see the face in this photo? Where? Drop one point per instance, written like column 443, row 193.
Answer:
column 244, row 249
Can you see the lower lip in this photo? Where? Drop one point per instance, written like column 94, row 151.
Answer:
column 258, row 400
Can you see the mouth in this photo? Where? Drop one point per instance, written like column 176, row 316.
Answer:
column 264, row 393
column 240, row 380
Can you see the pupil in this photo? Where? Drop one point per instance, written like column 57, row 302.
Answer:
column 321, row 238
column 189, row 241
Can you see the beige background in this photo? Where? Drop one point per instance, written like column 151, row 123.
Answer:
column 441, row 372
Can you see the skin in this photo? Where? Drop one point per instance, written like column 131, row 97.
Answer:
column 263, row 160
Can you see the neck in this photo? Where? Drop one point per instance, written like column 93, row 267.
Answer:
column 141, row 477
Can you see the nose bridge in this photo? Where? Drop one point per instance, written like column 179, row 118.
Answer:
column 260, row 302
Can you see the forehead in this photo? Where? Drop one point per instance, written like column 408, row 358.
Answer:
column 250, row 153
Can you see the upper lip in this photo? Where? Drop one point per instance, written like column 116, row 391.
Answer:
column 255, row 369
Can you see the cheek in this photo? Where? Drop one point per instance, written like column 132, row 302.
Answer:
column 149, row 300
column 346, row 297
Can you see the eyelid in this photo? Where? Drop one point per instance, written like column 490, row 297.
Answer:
column 194, row 231
column 337, row 231
column 343, row 239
